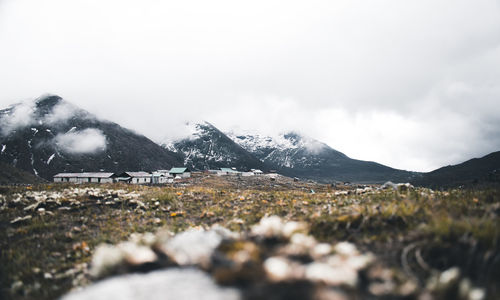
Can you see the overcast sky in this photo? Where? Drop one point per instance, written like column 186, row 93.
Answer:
column 411, row 84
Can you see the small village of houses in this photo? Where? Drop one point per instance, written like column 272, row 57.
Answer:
column 157, row 177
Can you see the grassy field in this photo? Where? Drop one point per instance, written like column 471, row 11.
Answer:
column 414, row 231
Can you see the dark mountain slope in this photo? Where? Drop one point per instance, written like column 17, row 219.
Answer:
column 11, row 175
column 51, row 136
column 482, row 171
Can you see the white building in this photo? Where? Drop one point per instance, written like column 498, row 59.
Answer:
column 161, row 177
column 98, row 177
column 134, row 177
column 228, row 171
column 180, row 172
column 257, row 172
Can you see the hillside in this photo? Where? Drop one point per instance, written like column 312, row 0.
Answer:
column 477, row 171
column 10, row 175
column 50, row 135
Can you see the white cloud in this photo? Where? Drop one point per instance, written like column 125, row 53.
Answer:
column 86, row 141
column 60, row 113
column 20, row 116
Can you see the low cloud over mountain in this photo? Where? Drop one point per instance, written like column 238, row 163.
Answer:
column 89, row 140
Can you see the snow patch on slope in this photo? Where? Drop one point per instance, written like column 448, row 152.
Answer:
column 254, row 142
column 284, row 141
column 51, row 158
column 33, row 163
column 285, row 150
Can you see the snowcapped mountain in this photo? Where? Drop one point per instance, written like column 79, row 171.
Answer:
column 289, row 150
column 206, row 147
column 50, row 135
column 296, row 155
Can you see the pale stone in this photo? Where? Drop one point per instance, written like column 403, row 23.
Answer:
column 269, row 227
column 105, row 258
column 321, row 250
column 321, row 272
column 294, row 227
column 282, row 269
column 137, row 254
column 192, row 247
column 346, row 249
column 171, row 284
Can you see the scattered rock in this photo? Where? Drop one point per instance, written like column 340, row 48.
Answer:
column 193, row 247
column 268, row 227
column 324, row 273
column 283, row 269
column 105, row 260
column 449, row 284
column 275, row 256
column 274, row 227
column 136, row 255
column 21, row 219
column 402, row 187
column 16, row 286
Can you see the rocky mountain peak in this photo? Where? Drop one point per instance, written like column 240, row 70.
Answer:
column 48, row 101
column 203, row 146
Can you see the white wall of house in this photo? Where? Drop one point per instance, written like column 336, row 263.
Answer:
column 160, row 179
column 181, row 175
column 141, row 180
column 83, row 179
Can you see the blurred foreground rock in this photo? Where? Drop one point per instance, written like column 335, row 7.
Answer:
column 273, row 260
column 167, row 284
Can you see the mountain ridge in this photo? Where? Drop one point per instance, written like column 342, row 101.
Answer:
column 297, row 155
column 50, row 135
column 206, row 147
column 484, row 170
column 291, row 154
